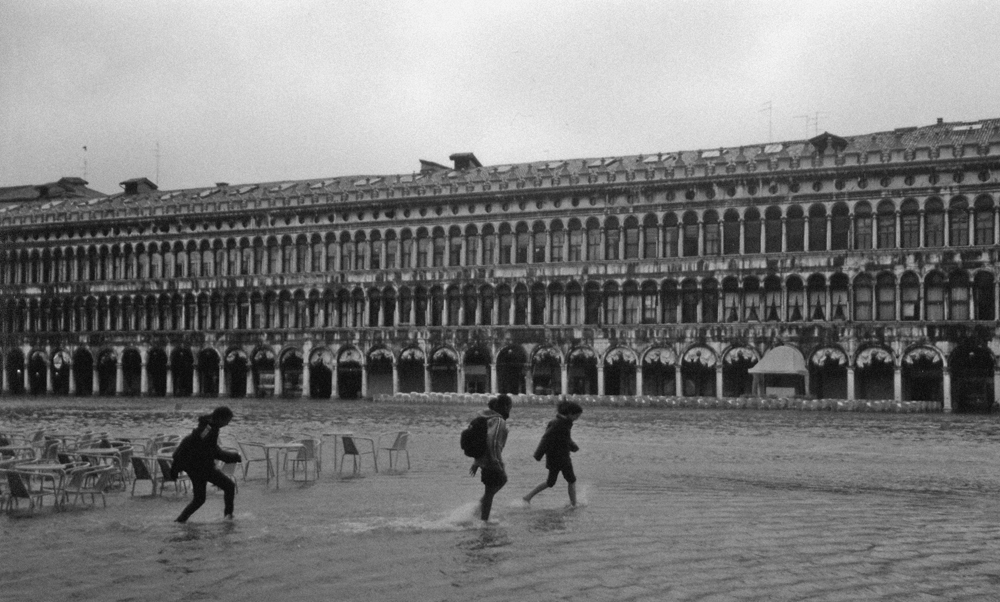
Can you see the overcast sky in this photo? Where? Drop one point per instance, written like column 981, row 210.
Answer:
column 260, row 91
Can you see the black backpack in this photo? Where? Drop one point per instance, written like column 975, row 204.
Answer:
column 474, row 442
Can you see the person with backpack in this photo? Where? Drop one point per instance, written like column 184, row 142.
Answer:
column 484, row 440
column 555, row 446
column 196, row 455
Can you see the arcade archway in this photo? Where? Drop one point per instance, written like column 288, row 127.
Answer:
column 659, row 372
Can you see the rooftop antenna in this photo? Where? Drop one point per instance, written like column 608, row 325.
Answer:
column 814, row 119
column 84, row 162
column 157, row 180
column 767, row 106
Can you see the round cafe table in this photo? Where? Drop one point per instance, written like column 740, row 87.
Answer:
column 277, row 447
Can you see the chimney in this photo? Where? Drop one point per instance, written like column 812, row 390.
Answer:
column 940, row 120
column 465, row 161
column 137, row 186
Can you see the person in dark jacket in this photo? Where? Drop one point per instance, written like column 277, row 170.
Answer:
column 494, row 473
column 196, row 455
column 555, row 446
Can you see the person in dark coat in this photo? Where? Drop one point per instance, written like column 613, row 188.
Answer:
column 555, row 446
column 196, row 456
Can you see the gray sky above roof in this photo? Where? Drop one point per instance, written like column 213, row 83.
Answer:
column 266, row 91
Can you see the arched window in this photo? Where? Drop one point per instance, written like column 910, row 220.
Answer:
column 631, row 237
column 612, row 303
column 689, row 301
column 752, row 299
column 863, row 226
column 455, row 240
column 751, row 231
column 612, row 239
column 983, row 296
column 423, row 248
column 838, row 296
column 506, row 244
column 470, row 301
column 523, row 243
column 840, row 227
column 909, row 293
column 958, row 295
column 454, row 305
column 652, row 237
column 909, row 224
column 630, row 295
column 504, row 299
column 731, row 299
column 934, row 223
column 671, row 301
column 690, row 234
column 709, row 301
column 885, row 291
column 796, row 229
column 863, row 298
column 772, row 299
column 538, row 241
column 796, row 299
column 817, row 227
column 538, row 304
column 886, row 225
column 731, row 233
column 489, row 241
column 984, row 221
column 772, row 230
column 934, row 295
column 520, row 305
column 440, row 244
column 575, row 241
column 574, row 303
column 671, row 235
column 471, row 245
column 958, row 222
column 650, row 305
column 405, row 249
column 347, row 250
column 593, row 240
column 557, row 242
column 713, row 243
column 816, row 297
column 592, row 303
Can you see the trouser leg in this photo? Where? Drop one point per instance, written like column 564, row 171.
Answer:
column 198, row 488
column 227, row 486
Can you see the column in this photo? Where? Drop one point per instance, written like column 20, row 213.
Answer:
column 829, row 232
column 48, row 379
column 718, row 379
column 946, row 385
column 223, row 385
column 896, row 217
column 333, row 380
column 743, row 247
column 196, row 381
column 170, row 381
column 529, row 381
column 850, row 383
column 701, row 238
column 395, row 378
column 119, row 377
column 494, row 386
column 279, row 385
column 564, row 369
column 306, row 375
column 947, row 230
column 600, row 378
column 996, row 385
column 460, row 377
column 4, row 385
column 805, row 232
column 784, row 235
column 364, row 380
column 638, row 379
column 427, row 377
column 921, row 224
column 897, row 384
column 95, row 383
column 678, row 381
column 143, row 379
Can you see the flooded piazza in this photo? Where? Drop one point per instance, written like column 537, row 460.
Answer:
column 676, row 504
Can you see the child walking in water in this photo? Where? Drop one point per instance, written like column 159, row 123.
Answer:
column 494, row 473
column 556, row 445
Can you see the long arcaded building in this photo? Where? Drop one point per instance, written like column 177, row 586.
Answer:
column 870, row 261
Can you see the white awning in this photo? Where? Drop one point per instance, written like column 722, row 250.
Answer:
column 781, row 360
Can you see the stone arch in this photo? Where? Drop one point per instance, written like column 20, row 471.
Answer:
column 828, row 373
column 698, row 372
column 659, row 372
column 582, row 367
column 874, row 373
column 736, row 363
column 321, row 366
column 349, row 373
column 410, row 368
column 922, row 374
column 546, row 371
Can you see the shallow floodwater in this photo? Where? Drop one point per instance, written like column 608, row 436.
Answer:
column 676, row 505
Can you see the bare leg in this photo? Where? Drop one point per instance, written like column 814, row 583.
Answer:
column 542, row 487
column 572, row 494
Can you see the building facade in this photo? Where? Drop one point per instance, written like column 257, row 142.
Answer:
column 874, row 257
